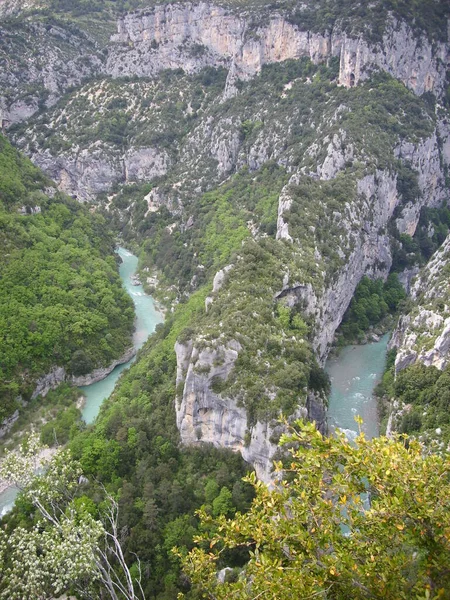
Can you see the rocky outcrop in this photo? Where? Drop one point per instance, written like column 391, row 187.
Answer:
column 369, row 253
column 6, row 425
column 92, row 171
column 204, row 416
column 427, row 160
column 39, row 63
column 403, row 54
column 10, row 7
column 424, row 333
column 191, row 36
column 58, row 375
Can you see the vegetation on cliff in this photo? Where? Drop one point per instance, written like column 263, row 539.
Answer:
column 61, row 299
column 419, row 397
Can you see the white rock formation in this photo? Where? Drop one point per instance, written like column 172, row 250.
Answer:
column 204, row 416
column 192, row 35
column 424, row 333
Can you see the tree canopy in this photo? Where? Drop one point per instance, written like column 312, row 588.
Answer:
column 61, row 298
column 369, row 520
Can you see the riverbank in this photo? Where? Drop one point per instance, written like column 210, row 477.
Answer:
column 92, row 394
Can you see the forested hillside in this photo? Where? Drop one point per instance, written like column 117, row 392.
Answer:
column 282, row 171
column 61, row 300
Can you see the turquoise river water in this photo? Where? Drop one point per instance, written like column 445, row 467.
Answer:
column 147, row 317
column 354, row 374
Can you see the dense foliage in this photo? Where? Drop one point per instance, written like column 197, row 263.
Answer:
column 219, row 222
column 134, row 453
column 61, row 299
column 363, row 520
column 373, row 300
column 422, row 397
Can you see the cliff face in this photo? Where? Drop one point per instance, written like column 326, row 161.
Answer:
column 191, row 131
column 423, row 334
column 367, row 250
column 38, row 63
column 204, row 416
column 191, row 36
column 186, row 36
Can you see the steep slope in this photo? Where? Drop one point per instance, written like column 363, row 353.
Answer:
column 61, row 300
column 355, row 155
column 39, row 60
column 191, row 36
column 418, row 384
column 423, row 334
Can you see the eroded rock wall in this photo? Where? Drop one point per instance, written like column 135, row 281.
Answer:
column 204, row 416
column 423, row 335
column 191, row 36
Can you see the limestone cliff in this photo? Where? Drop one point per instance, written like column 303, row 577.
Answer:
column 58, row 375
column 366, row 250
column 423, row 334
column 191, row 36
column 85, row 160
column 205, row 416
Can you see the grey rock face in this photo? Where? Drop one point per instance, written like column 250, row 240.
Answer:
column 191, row 36
column 424, row 333
column 6, row 425
column 204, row 416
column 58, row 375
column 54, row 58
column 91, row 171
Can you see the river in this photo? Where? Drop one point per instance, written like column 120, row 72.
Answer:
column 147, row 317
column 354, row 373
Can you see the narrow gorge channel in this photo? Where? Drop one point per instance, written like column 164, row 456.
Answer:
column 146, row 319
column 354, row 373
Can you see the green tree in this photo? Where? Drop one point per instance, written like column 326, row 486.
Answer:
column 369, row 520
column 65, row 547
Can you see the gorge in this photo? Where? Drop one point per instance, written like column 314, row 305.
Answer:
column 261, row 161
